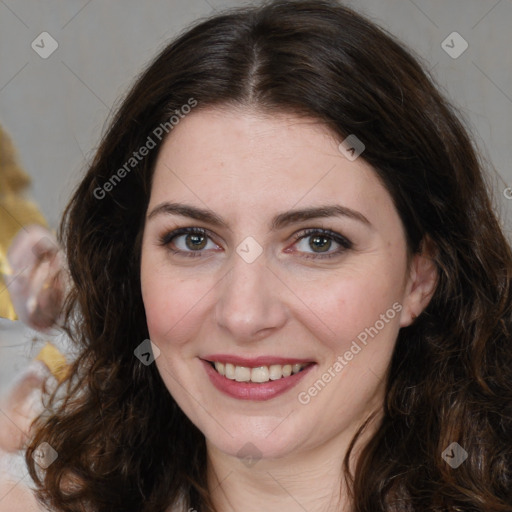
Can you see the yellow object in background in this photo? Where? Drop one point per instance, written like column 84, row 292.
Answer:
column 54, row 360
column 15, row 212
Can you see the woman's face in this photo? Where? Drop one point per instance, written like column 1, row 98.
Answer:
column 300, row 259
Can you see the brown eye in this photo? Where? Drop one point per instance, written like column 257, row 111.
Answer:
column 320, row 243
column 188, row 241
column 195, row 242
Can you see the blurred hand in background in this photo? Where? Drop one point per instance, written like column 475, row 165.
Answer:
column 38, row 278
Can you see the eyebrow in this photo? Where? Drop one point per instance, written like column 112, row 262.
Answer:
column 279, row 221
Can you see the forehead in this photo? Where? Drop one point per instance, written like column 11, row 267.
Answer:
column 252, row 161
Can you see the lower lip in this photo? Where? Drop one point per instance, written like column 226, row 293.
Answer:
column 252, row 390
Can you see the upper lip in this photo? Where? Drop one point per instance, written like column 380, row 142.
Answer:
column 254, row 362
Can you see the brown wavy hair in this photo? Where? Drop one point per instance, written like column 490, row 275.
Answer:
column 123, row 443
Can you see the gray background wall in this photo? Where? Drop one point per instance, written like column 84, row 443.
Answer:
column 55, row 108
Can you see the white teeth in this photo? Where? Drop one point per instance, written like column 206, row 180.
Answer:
column 242, row 374
column 230, row 371
column 220, row 368
column 259, row 374
column 296, row 368
column 276, row 371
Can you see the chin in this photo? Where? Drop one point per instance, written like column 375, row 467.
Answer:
column 255, row 438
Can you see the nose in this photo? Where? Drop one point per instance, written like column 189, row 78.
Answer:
column 250, row 302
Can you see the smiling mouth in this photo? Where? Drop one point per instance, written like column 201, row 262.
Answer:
column 260, row 374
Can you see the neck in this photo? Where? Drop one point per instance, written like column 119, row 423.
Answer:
column 307, row 480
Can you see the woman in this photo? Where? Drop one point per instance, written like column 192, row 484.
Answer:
column 293, row 215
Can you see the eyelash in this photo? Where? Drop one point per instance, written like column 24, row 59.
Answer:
column 345, row 243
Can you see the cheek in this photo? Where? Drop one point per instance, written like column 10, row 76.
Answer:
column 358, row 314
column 173, row 305
column 345, row 305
